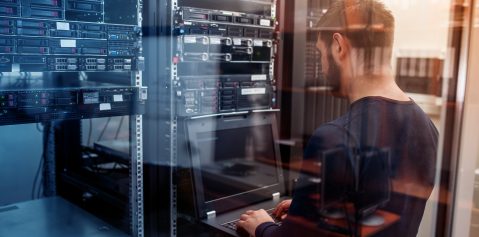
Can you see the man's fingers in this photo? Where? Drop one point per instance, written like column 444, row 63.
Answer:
column 244, row 217
column 275, row 211
column 282, row 208
column 249, row 212
column 240, row 223
column 279, row 205
column 279, row 209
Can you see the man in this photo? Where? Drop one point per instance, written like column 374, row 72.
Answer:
column 355, row 42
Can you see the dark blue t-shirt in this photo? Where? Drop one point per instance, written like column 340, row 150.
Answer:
column 402, row 128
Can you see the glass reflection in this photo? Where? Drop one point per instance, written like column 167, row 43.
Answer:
column 368, row 184
column 230, row 170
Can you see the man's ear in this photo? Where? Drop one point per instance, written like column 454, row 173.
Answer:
column 340, row 46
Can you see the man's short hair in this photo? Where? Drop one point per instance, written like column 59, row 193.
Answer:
column 366, row 23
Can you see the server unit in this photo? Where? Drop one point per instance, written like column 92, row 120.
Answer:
column 223, row 59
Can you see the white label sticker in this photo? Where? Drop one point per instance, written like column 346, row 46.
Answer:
column 188, row 23
column 105, row 106
column 237, row 41
column 258, row 43
column 118, row 98
column 260, row 77
column 189, row 40
column 227, row 13
column 253, row 91
column 215, row 40
column 68, row 43
column 265, row 22
column 63, row 26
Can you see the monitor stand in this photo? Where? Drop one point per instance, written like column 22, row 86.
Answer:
column 334, row 213
column 373, row 220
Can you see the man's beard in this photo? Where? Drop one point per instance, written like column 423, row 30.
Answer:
column 333, row 76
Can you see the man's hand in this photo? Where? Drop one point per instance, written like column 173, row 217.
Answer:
column 281, row 210
column 252, row 219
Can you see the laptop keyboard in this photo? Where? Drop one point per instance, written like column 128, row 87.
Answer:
column 232, row 224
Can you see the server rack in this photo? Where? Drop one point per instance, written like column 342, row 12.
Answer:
column 64, row 64
column 222, row 64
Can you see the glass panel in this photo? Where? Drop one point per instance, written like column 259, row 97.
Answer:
column 363, row 97
column 418, row 67
column 71, row 105
column 467, row 195
column 259, row 117
column 475, row 200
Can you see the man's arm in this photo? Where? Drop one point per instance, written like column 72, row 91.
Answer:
column 303, row 207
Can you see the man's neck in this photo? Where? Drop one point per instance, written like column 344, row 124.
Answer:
column 375, row 85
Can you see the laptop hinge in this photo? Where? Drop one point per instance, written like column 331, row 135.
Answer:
column 276, row 196
column 211, row 214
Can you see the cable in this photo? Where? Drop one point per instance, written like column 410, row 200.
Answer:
column 38, row 127
column 119, row 127
column 40, row 188
column 90, row 128
column 104, row 129
column 37, row 173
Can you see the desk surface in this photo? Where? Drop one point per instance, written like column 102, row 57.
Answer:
column 389, row 219
column 52, row 217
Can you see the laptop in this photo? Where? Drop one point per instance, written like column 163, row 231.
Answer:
column 236, row 167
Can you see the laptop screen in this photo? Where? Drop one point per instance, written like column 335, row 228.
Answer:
column 237, row 160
